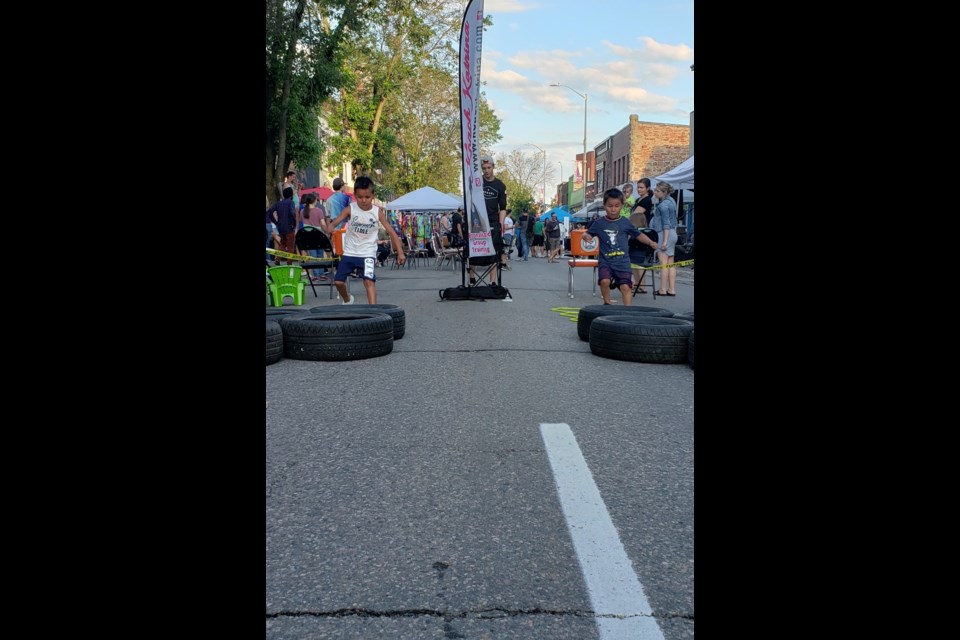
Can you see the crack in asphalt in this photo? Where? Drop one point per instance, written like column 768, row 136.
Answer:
column 478, row 613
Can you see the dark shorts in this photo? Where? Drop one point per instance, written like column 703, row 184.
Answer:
column 349, row 263
column 616, row 278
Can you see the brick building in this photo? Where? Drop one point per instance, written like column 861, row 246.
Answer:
column 640, row 150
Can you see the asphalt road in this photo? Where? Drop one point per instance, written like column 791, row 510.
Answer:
column 411, row 496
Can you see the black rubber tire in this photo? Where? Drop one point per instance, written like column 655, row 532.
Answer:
column 337, row 336
column 589, row 313
column 274, row 342
column 639, row 338
column 398, row 315
column 690, row 350
column 684, row 316
column 276, row 313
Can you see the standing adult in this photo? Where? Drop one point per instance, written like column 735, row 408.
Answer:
column 495, row 199
column 640, row 218
column 290, row 180
column 523, row 248
column 445, row 227
column 643, row 205
column 552, row 229
column 538, row 238
column 457, row 227
column 508, row 226
column 312, row 215
column 284, row 214
column 339, row 201
column 665, row 224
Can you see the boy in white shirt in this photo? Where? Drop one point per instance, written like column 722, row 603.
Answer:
column 360, row 240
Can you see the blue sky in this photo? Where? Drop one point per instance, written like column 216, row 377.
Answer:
column 628, row 57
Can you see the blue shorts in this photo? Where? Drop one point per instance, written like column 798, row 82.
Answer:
column 349, row 263
column 616, row 278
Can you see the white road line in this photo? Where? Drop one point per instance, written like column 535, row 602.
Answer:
column 615, row 592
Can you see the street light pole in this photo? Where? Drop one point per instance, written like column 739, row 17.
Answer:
column 584, row 96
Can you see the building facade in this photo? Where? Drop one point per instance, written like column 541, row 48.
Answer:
column 640, row 150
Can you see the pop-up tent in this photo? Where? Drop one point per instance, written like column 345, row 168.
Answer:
column 425, row 199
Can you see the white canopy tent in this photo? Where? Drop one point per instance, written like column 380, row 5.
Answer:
column 425, row 199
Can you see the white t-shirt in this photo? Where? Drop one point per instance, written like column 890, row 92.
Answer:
column 507, row 225
column 360, row 238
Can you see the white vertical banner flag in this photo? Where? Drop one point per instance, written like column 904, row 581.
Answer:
column 475, row 209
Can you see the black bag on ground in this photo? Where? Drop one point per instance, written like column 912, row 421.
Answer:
column 482, row 292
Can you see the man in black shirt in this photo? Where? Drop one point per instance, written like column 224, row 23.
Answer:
column 521, row 232
column 495, row 197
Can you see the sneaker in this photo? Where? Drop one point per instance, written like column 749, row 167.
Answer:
column 350, row 301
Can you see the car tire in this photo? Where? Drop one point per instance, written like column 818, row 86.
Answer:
column 274, row 342
column 589, row 313
column 396, row 313
column 337, row 336
column 640, row 338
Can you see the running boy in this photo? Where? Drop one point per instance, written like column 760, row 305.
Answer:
column 613, row 232
column 360, row 240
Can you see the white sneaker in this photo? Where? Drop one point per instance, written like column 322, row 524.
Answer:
column 350, row 301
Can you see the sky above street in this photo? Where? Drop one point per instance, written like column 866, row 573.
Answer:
column 627, row 57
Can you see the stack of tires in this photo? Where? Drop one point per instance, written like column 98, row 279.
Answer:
column 636, row 333
column 334, row 332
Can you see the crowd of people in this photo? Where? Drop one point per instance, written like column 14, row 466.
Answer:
column 636, row 229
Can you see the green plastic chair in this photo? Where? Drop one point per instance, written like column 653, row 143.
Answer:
column 285, row 281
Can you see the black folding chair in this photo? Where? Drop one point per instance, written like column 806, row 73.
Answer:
column 313, row 238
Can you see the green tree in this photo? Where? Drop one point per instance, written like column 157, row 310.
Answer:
column 303, row 67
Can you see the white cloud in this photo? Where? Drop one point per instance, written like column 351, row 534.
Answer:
column 508, row 6
column 653, row 51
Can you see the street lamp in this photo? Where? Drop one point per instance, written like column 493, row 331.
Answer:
column 584, row 96
column 544, row 172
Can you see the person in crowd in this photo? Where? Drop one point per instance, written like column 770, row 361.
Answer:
column 445, row 227
column 383, row 244
column 643, row 204
column 340, row 198
column 360, row 240
column 628, row 200
column 284, row 214
column 508, row 226
column 665, row 224
column 523, row 248
column 495, row 199
column 537, row 244
column 613, row 233
column 457, row 228
column 290, row 180
column 640, row 218
column 313, row 215
column 554, row 242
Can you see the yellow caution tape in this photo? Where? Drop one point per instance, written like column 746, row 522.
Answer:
column 682, row 263
column 294, row 256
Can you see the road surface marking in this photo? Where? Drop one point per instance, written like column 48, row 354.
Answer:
column 615, row 592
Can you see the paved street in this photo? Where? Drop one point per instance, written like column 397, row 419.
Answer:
column 412, row 495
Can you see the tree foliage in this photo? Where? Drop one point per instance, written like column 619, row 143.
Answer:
column 383, row 77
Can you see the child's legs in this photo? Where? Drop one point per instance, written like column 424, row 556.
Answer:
column 371, row 288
